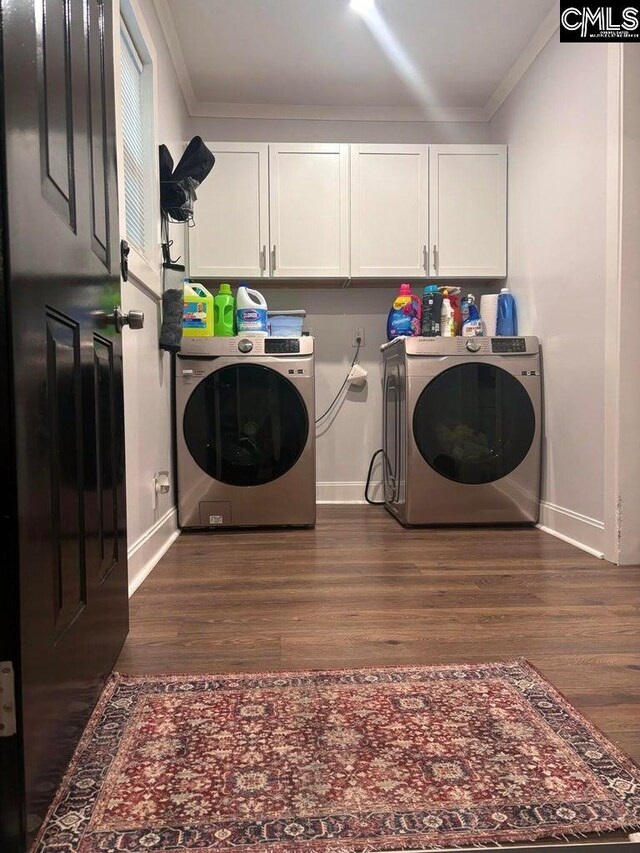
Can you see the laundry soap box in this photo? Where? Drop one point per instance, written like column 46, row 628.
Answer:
column 197, row 315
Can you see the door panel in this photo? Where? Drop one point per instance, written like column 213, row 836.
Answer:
column 468, row 210
column 309, row 210
column 106, row 467
column 66, row 464
column 230, row 236
column 389, row 210
column 98, row 130
column 64, row 370
column 54, row 22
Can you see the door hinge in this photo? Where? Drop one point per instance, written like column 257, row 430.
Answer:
column 7, row 699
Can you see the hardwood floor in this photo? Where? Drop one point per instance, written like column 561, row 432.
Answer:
column 359, row 590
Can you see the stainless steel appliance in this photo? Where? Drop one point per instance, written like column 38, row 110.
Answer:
column 245, row 432
column 462, row 428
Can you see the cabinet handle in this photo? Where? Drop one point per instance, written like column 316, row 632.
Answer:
column 436, row 259
column 273, row 259
column 263, row 259
column 425, row 260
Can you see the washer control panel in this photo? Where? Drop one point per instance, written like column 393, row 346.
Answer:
column 245, row 346
column 281, row 345
column 508, row 345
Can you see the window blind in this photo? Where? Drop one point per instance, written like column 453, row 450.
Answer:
column 133, row 137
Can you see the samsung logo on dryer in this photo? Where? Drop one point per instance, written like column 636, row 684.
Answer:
column 615, row 22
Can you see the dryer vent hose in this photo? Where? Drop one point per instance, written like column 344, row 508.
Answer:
column 366, row 488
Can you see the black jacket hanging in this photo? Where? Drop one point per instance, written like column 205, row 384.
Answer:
column 178, row 186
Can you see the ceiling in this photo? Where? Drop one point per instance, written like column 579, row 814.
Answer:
column 319, row 58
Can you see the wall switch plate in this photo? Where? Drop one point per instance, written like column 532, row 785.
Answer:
column 355, row 334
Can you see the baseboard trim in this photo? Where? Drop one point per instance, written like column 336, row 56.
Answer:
column 349, row 492
column 146, row 552
column 578, row 530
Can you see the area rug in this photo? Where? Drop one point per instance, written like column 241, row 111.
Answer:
column 345, row 760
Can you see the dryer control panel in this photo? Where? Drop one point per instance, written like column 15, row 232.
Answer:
column 508, row 345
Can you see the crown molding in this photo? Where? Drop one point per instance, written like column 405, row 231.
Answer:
column 536, row 43
column 168, row 27
column 300, row 112
column 205, row 109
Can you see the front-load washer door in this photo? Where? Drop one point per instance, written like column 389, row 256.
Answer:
column 474, row 423
column 245, row 425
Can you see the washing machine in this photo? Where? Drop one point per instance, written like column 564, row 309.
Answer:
column 245, row 432
column 462, row 430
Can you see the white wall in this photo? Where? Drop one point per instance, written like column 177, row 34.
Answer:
column 290, row 130
column 147, row 370
column 347, row 438
column 555, row 124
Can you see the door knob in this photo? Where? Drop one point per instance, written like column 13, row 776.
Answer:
column 134, row 319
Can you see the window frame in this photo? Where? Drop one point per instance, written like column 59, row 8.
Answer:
column 143, row 267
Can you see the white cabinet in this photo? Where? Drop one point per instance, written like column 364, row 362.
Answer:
column 231, row 232
column 389, row 210
column 337, row 210
column 309, row 210
column 468, row 211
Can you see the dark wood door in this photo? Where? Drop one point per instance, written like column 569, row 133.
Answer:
column 64, row 525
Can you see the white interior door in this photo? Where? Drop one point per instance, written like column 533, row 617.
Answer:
column 389, row 210
column 231, row 232
column 309, row 210
column 468, row 210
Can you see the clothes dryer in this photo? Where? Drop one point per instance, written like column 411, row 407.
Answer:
column 462, row 430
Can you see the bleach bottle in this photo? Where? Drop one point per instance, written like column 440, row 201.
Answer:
column 251, row 313
column 404, row 317
column 507, row 323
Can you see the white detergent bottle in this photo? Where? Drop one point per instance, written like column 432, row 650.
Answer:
column 251, row 313
column 447, row 324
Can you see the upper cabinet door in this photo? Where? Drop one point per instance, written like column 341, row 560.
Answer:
column 468, row 210
column 309, row 210
column 231, row 232
column 389, row 210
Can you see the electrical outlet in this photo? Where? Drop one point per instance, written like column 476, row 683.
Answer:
column 355, row 334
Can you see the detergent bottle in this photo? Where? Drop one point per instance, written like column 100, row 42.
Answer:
column 251, row 313
column 431, row 310
column 507, row 322
column 447, row 322
column 472, row 324
column 404, row 317
column 197, row 315
column 224, row 312
column 454, row 299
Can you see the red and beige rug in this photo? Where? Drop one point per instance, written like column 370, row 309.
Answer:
column 350, row 760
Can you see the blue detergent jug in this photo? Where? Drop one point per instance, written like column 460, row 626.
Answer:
column 507, row 322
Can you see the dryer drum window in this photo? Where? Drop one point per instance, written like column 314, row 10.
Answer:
column 474, row 423
column 245, row 425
